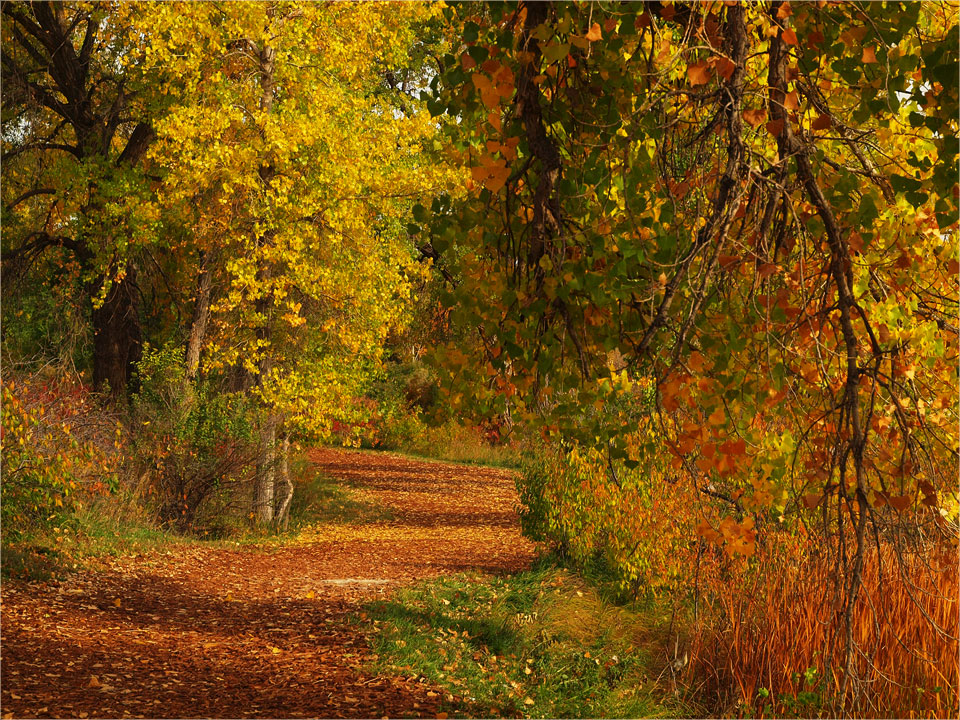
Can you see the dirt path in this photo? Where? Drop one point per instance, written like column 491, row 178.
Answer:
column 258, row 632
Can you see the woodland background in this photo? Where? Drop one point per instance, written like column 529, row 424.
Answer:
column 689, row 268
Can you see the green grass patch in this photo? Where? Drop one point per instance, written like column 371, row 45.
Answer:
column 539, row 644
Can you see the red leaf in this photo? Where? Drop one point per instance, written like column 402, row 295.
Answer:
column 822, row 122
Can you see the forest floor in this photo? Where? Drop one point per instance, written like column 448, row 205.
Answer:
column 264, row 630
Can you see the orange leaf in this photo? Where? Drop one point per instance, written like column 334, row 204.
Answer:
column 468, row 62
column 900, row 502
column 699, row 74
column 784, row 12
column 494, row 119
column 811, row 500
column 755, row 117
column 497, row 179
column 815, row 38
column 791, row 101
column 869, row 56
column 610, row 24
column 490, row 97
column 766, row 270
column 695, row 361
column 789, row 37
column 725, row 67
column 775, row 126
column 481, row 82
column 594, row 33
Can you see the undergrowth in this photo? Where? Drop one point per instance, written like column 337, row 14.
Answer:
column 117, row 523
column 101, row 527
column 319, row 498
column 539, row 643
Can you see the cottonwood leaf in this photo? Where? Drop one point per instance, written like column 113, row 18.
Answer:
column 698, row 74
column 755, row 118
column 822, row 122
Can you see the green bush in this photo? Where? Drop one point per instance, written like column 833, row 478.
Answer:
column 534, row 506
column 194, row 442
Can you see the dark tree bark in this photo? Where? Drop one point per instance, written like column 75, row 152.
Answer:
column 117, row 339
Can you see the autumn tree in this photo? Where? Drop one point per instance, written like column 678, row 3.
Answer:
column 75, row 131
column 290, row 156
column 751, row 206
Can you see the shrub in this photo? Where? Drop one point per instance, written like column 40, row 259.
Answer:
column 193, row 443
column 53, row 443
column 598, row 512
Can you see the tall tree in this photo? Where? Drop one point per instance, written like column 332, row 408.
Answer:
column 75, row 131
column 290, row 160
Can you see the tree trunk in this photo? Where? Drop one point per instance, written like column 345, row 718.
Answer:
column 198, row 326
column 264, row 483
column 263, row 499
column 117, row 338
column 283, row 470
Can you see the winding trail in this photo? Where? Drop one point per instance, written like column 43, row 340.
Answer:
column 261, row 631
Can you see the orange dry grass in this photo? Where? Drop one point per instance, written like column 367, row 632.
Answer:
column 786, row 618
